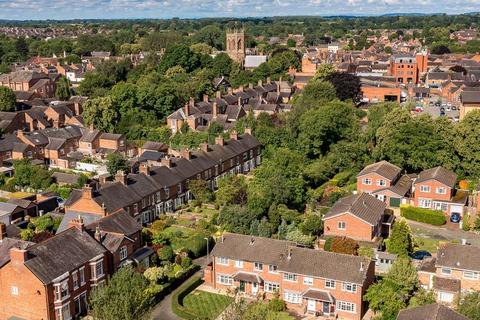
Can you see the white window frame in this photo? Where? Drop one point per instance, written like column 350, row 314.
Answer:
column 222, row 261
column 441, row 190
column 123, row 253
column 225, row 279
column 381, row 183
column 346, row 306
column 329, row 283
column 424, row 188
column 75, row 280
column 471, row 275
column 342, row 225
column 367, row 181
column 425, row 203
column 258, row 266
column 238, row 263
column 292, row 297
column 308, row 281
column 81, row 273
column 14, row 290
column 291, row 277
column 272, row 268
column 349, row 287
column 95, row 267
column 446, row 271
column 271, row 287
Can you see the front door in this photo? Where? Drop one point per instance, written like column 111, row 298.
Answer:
column 254, row 288
column 311, row 305
column 242, row 286
column 326, row 307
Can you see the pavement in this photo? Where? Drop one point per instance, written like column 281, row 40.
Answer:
column 443, row 233
column 163, row 309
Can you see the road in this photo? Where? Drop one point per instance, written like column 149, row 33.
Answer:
column 442, row 233
column 163, row 309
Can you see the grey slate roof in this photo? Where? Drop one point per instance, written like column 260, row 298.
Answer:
column 458, row 256
column 383, row 168
column 433, row 311
column 62, row 253
column 68, row 178
column 317, row 263
column 8, row 243
column 470, row 97
column 440, row 174
column 363, row 206
column 88, row 218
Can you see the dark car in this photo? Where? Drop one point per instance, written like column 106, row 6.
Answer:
column 455, row 217
column 421, row 254
column 442, row 113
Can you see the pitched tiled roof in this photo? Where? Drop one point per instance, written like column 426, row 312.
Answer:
column 8, row 243
column 459, row 257
column 62, row 253
column 440, row 174
column 362, row 205
column 446, row 284
column 383, row 168
column 433, row 311
column 317, row 263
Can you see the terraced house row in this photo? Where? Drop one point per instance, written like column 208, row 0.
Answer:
column 165, row 187
column 311, row 282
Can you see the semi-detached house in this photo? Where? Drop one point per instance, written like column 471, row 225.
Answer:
column 310, row 281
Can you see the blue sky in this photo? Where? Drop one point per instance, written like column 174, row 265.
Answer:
column 70, row 9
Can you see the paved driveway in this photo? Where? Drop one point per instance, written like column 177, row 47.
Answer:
column 443, row 233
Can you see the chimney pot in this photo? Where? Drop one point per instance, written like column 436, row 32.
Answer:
column 98, row 234
column 260, row 83
column 204, row 147
column 233, row 135
column 250, row 85
column 145, row 169
column 77, row 223
column 220, row 141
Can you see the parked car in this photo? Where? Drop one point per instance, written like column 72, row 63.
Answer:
column 420, row 255
column 455, row 217
column 442, row 113
column 449, row 108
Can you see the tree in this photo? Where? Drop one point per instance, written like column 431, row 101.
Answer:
column 231, row 190
column 200, row 190
column 421, row 297
column 347, row 86
column 222, row 65
column 179, row 55
column 315, row 93
column 116, row 162
column 401, row 239
column 344, row 245
column 458, row 68
column 467, row 144
column 291, row 43
column 324, row 71
column 440, row 49
column 403, row 272
column 64, row 91
column 469, row 305
column 7, row 99
column 124, row 297
column 166, row 254
column 312, row 224
column 101, row 113
column 237, row 219
column 124, row 97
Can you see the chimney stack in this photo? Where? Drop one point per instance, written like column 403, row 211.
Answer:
column 250, row 85
column 87, row 192
column 220, row 141
column 167, row 162
column 121, row 177
column 240, row 89
column 145, row 169
column 240, row 101
column 205, row 98
column 218, row 95
column 361, row 266
column 204, row 146
column 104, row 210
column 191, row 102
column 248, row 131
column 269, row 80
column 77, row 223
column 230, row 91
column 214, row 110
column 233, row 135
column 289, row 253
column 186, row 154
column 187, row 109
column 98, row 234
column 260, row 83
column 3, row 231
column 18, row 255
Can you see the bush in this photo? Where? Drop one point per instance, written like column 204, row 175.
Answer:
column 166, row 254
column 433, row 217
column 328, row 244
column 344, row 245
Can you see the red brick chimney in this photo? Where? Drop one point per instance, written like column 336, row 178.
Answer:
column 3, row 231
column 248, row 131
column 205, row 98
column 218, row 95
column 220, row 141
column 214, row 110
column 186, row 154
column 87, row 192
column 121, row 177
column 145, row 169
column 204, row 146
column 167, row 162
column 77, row 223
column 18, row 255
column 233, row 135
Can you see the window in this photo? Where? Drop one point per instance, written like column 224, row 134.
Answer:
column 81, row 272
column 97, row 269
column 63, row 312
column 441, row 190
column 14, row 290
column 292, row 297
column 135, row 208
column 144, row 203
column 238, row 264
column 424, row 203
column 258, row 266
column 179, row 187
column 167, row 192
column 445, row 296
column 330, row 284
column 61, row 290
column 349, row 287
column 271, row 287
column 346, row 306
column 75, row 279
column 272, row 268
column 440, row 206
column 367, row 181
column 225, row 279
column 308, row 281
column 424, row 188
column 342, row 225
column 381, row 183
column 123, row 253
column 446, row 271
column 222, row 261
column 471, row 275
column 290, row 277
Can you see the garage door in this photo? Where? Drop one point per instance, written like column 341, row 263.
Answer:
column 394, row 202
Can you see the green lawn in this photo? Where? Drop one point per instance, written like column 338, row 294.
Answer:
column 206, row 305
column 427, row 244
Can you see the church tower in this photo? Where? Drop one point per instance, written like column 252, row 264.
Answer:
column 236, row 45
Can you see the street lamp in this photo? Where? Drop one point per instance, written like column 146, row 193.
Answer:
column 208, row 253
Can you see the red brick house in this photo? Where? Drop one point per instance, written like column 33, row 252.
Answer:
column 435, row 189
column 52, row 279
column 312, row 282
column 359, row 217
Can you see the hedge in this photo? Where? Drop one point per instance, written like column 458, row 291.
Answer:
column 177, row 298
column 433, row 217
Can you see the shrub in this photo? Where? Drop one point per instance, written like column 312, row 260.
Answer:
column 433, row 217
column 166, row 254
column 186, row 263
column 177, row 298
column 344, row 245
column 466, row 222
column 366, row 252
column 328, row 244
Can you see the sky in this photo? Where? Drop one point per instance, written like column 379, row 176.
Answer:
column 114, row 9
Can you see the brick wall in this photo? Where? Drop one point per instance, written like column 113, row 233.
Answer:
column 354, row 228
column 374, row 178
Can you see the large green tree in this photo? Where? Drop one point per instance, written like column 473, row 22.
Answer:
column 469, row 305
column 101, row 113
column 401, row 239
column 467, row 144
column 64, row 90
column 7, row 99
